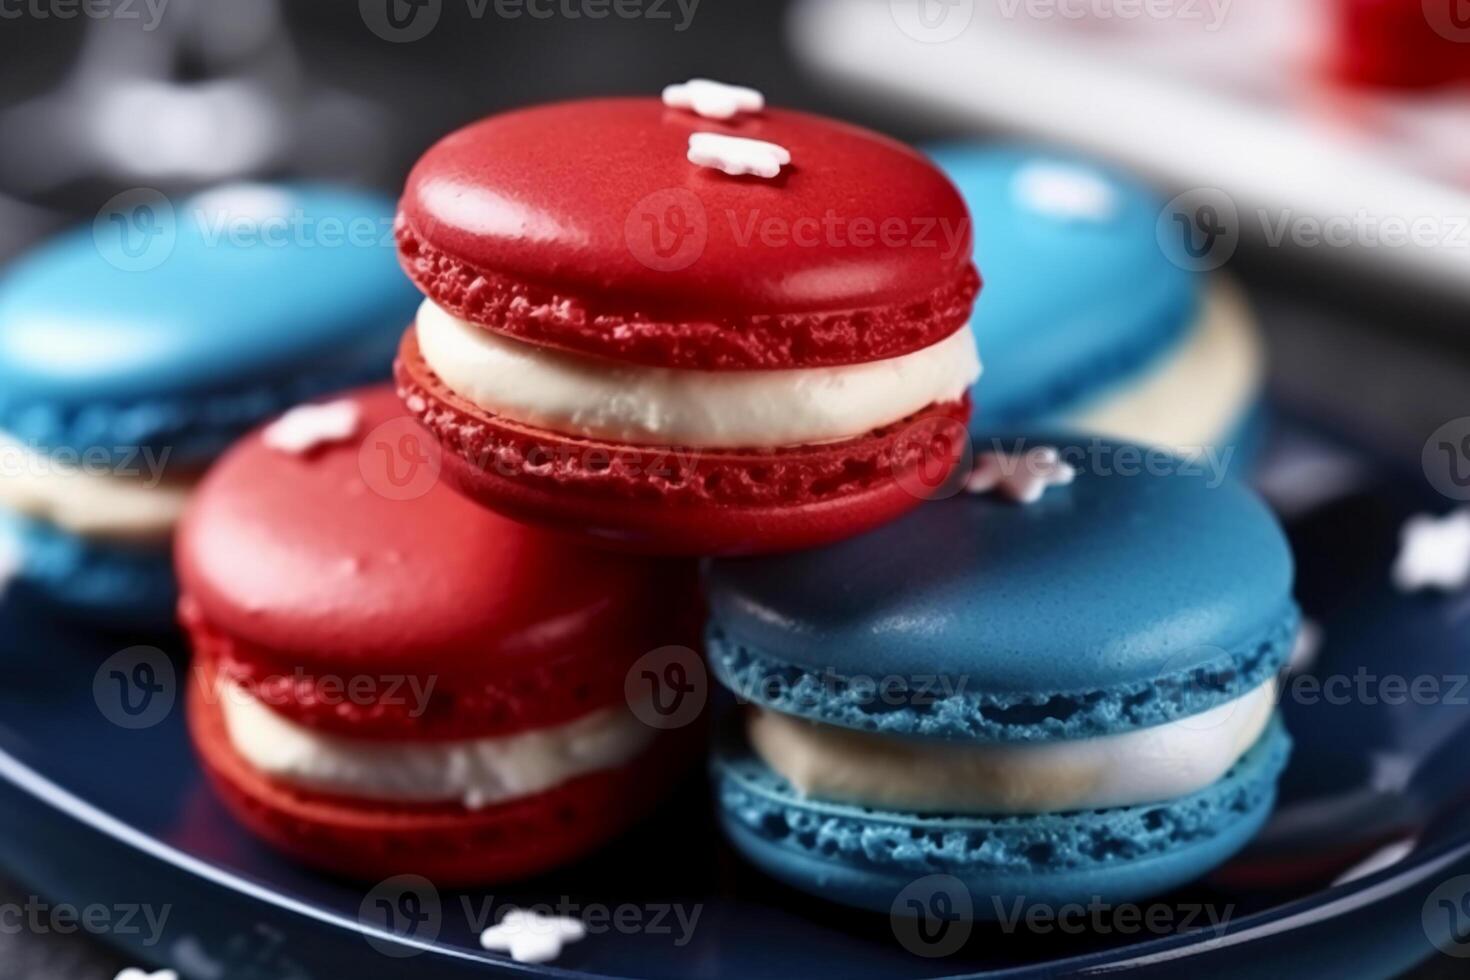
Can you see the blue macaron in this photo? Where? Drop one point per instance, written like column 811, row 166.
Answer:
column 1091, row 316
column 1111, row 614
column 143, row 345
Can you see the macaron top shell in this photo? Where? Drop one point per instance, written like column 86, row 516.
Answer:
column 345, row 557
column 583, row 225
column 254, row 293
column 1118, row 601
column 1079, row 294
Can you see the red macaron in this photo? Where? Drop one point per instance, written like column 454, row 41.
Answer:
column 375, row 654
column 580, row 233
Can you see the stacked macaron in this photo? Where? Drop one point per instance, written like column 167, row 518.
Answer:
column 134, row 352
column 694, row 326
column 1090, row 320
column 391, row 679
column 1056, row 702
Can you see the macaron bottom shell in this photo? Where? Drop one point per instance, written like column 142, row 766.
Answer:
column 685, row 500
column 102, row 584
column 448, row 843
column 866, row 858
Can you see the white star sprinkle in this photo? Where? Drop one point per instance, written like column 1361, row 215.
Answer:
column 1434, row 553
column 736, row 155
column 306, row 427
column 531, row 937
column 1065, row 191
column 133, row 973
column 713, row 100
column 1024, row 477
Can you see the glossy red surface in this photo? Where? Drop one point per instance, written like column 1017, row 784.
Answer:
column 679, row 500
column 582, row 225
column 358, row 557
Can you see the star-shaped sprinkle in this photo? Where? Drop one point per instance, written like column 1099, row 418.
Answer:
column 1065, row 191
column 1434, row 553
column 1023, row 477
column 736, row 155
column 530, row 937
column 306, row 427
column 133, row 973
column 713, row 100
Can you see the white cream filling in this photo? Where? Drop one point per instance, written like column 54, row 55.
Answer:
column 1198, row 394
column 631, row 403
column 129, row 502
column 476, row 772
column 1149, row 765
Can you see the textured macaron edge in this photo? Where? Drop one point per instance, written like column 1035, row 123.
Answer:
column 680, row 476
column 973, row 713
column 192, row 428
column 753, row 796
column 542, row 315
column 106, row 583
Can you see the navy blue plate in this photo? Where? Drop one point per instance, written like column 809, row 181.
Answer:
column 103, row 804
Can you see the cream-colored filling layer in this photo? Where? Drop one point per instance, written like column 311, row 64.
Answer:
column 92, row 500
column 630, row 403
column 475, row 772
column 1149, row 765
column 1199, row 394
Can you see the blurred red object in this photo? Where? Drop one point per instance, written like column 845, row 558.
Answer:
column 1402, row 43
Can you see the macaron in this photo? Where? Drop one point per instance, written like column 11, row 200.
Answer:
column 1087, row 322
column 1060, row 701
column 679, row 357
column 133, row 352
column 390, row 679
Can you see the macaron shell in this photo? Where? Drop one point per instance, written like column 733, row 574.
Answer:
column 866, row 858
column 549, row 224
column 194, row 342
column 1072, row 305
column 684, row 501
column 324, row 560
column 449, row 844
column 1143, row 586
